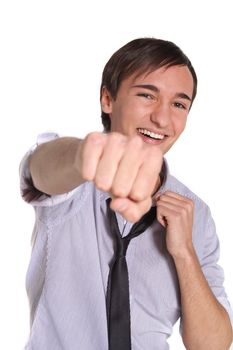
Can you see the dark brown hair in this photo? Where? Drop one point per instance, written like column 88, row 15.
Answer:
column 141, row 56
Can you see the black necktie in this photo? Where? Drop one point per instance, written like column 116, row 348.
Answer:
column 118, row 308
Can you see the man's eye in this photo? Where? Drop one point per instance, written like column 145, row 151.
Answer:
column 147, row 96
column 179, row 105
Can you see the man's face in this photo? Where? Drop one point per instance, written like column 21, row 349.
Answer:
column 155, row 106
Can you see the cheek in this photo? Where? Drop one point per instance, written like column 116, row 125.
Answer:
column 119, row 119
column 124, row 114
column 179, row 124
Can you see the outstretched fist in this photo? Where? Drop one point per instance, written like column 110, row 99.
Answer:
column 126, row 167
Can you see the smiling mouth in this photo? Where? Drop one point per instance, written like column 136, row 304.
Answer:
column 151, row 135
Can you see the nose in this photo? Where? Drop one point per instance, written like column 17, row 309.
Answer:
column 161, row 115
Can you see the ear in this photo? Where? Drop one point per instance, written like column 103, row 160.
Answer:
column 106, row 101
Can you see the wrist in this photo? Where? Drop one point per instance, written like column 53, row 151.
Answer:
column 186, row 253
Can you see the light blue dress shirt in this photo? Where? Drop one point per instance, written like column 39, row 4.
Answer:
column 72, row 250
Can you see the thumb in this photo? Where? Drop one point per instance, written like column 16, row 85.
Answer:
column 132, row 211
column 161, row 218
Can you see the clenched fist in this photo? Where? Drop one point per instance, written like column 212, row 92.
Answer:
column 126, row 167
column 175, row 212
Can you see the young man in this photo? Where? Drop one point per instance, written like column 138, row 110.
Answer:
column 147, row 90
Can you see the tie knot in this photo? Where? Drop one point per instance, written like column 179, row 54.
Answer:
column 122, row 245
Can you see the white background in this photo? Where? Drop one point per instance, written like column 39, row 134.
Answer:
column 52, row 56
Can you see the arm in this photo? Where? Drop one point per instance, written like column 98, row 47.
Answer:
column 61, row 165
column 53, row 166
column 206, row 324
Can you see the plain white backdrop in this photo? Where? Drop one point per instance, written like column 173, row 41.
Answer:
column 52, row 56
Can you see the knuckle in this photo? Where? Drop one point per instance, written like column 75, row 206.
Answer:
column 102, row 186
column 162, row 196
column 94, row 137
column 119, row 191
column 137, row 195
column 167, row 193
column 86, row 175
column 118, row 138
column 190, row 203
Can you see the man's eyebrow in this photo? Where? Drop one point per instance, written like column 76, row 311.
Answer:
column 156, row 89
column 148, row 87
column 183, row 95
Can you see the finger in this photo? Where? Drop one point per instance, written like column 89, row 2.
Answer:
column 162, row 220
column 128, row 168
column 130, row 210
column 164, row 213
column 171, row 194
column 185, row 204
column 175, row 205
column 109, row 162
column 147, row 177
column 90, row 152
column 164, row 198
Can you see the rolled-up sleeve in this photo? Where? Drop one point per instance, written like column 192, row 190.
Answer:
column 208, row 250
column 213, row 272
column 27, row 189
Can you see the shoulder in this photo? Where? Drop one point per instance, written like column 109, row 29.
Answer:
column 175, row 185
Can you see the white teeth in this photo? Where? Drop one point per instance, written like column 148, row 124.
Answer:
column 151, row 134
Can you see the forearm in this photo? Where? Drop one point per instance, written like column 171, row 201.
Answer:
column 54, row 166
column 205, row 322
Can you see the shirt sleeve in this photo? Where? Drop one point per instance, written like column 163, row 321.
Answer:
column 27, row 189
column 213, row 272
